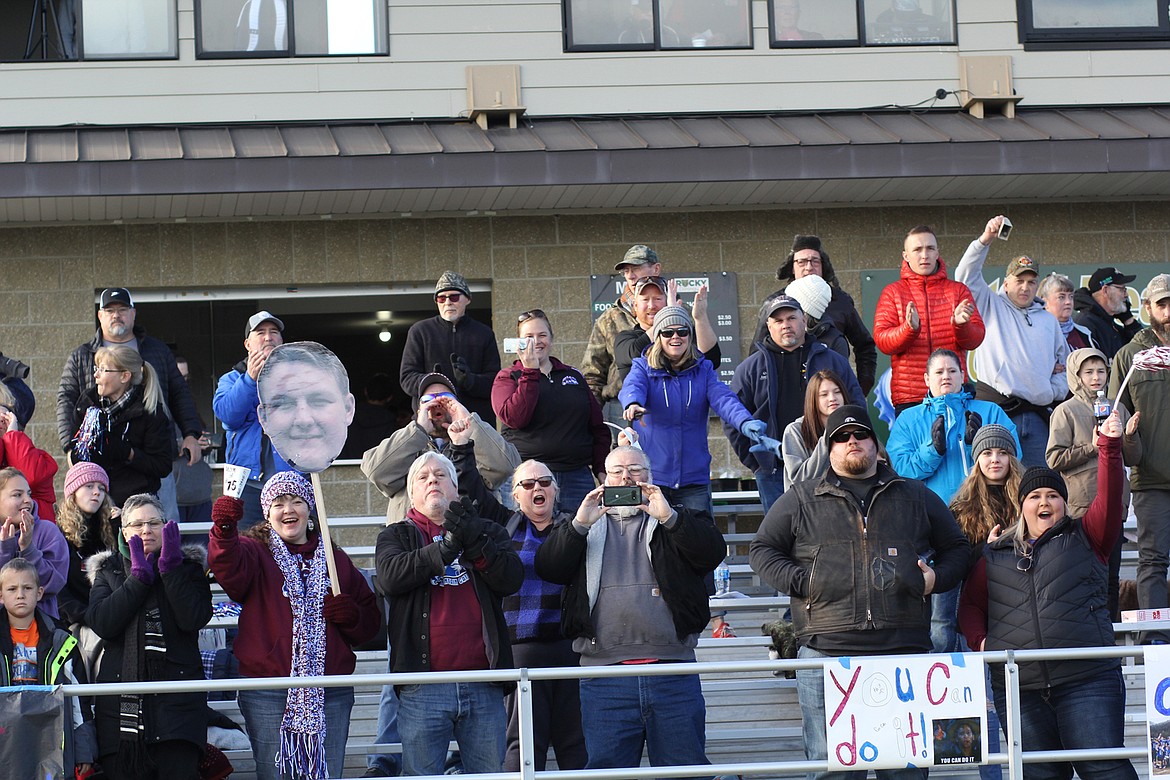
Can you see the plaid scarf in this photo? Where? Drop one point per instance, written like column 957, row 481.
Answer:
column 302, row 729
column 89, row 439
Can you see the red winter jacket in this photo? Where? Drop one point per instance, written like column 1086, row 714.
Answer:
column 936, row 297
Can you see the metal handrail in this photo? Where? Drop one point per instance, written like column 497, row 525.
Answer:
column 1014, row 758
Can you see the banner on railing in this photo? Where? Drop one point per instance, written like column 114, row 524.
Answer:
column 892, row 712
column 31, row 726
column 1157, row 664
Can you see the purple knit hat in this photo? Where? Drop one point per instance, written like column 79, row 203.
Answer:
column 286, row 483
column 83, row 473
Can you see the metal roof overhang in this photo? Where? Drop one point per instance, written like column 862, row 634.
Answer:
column 55, row 176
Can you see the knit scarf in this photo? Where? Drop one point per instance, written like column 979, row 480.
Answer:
column 302, row 729
column 144, row 649
column 97, row 421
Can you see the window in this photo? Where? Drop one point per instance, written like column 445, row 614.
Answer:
column 821, row 23
column 606, row 25
column 1090, row 24
column 264, row 28
column 126, row 29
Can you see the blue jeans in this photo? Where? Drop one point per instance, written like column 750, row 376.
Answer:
column 573, row 487
column 1033, row 433
column 263, row 711
column 387, row 729
column 429, row 716
column 944, row 615
column 810, row 687
column 1080, row 715
column 771, row 487
column 621, row 714
column 696, row 498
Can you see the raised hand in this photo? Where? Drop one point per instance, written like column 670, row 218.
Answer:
column 226, row 513
column 938, row 434
column 141, row 564
column 974, row 423
column 912, row 318
column 171, row 556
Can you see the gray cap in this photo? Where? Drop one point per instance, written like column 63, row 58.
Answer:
column 452, row 281
column 783, row 302
column 1157, row 289
column 260, row 317
column 992, row 436
column 670, row 317
column 638, row 254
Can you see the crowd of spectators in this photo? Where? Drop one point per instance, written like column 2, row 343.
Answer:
column 542, row 543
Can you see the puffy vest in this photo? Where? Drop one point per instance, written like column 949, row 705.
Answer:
column 1060, row 601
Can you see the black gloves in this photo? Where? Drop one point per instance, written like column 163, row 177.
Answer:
column 466, row 527
column 938, row 434
column 463, row 376
column 116, row 449
column 974, row 423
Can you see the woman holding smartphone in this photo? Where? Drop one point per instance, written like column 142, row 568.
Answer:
column 549, row 413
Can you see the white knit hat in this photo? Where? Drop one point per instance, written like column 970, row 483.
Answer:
column 814, row 294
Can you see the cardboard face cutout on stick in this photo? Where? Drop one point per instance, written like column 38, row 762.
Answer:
column 305, row 404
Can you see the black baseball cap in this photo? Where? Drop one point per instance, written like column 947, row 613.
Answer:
column 783, row 302
column 116, row 295
column 848, row 416
column 1108, row 275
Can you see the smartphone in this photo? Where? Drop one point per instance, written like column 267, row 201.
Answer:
column 622, row 495
column 1005, row 229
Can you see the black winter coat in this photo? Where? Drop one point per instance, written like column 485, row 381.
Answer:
column 184, row 599
column 406, row 563
column 680, row 557
column 78, row 377
column 1108, row 334
column 432, row 342
column 151, row 437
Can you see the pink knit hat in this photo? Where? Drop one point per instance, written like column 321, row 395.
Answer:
column 83, row 473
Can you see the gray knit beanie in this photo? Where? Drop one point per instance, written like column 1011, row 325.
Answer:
column 991, row 436
column 671, row 317
column 452, row 281
column 814, row 294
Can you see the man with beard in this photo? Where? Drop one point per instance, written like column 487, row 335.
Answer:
column 1148, row 392
column 1103, row 307
column 771, row 384
column 851, row 550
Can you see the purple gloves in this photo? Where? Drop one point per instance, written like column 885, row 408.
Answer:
column 171, row 555
column 141, row 564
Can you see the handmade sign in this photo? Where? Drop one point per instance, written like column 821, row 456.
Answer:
column 893, row 712
column 306, row 408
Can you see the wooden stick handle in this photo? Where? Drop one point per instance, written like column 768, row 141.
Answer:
column 323, row 519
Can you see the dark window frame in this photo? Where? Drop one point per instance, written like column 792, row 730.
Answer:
column 1092, row 38
column 288, row 52
column 656, row 45
column 823, row 43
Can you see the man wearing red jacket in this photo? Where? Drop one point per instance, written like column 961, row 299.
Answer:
column 921, row 312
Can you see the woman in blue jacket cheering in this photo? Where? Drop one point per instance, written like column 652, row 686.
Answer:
column 671, row 389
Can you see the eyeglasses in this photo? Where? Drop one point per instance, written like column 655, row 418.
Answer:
column 1025, row 563
column 426, row 399
column 840, row 437
column 620, row 471
column 528, row 484
column 672, row 332
column 100, row 370
column 454, row 297
column 531, row 314
column 138, row 525
column 807, row 261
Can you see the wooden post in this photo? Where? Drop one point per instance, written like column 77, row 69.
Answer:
column 322, row 518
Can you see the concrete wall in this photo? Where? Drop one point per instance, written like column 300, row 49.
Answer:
column 48, row 275
column 431, row 43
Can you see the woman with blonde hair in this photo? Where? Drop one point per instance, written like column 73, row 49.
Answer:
column 122, row 426
column 87, row 518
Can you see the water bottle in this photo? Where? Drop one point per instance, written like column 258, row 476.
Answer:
column 1101, row 407
column 722, row 579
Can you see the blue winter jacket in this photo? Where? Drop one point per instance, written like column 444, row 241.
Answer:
column 235, row 405
column 913, row 455
column 674, row 429
column 757, row 386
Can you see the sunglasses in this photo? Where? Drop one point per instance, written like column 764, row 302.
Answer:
column 672, row 332
column 840, row 437
column 529, row 484
column 453, row 297
column 531, row 314
column 426, row 399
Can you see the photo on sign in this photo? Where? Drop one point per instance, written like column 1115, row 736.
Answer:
column 305, row 404
column 1160, row 748
column 958, row 741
